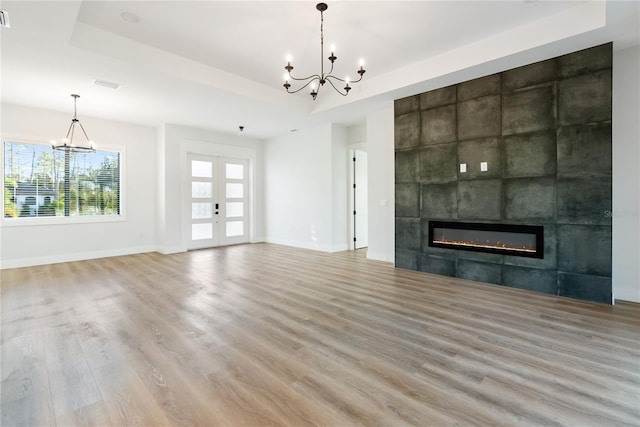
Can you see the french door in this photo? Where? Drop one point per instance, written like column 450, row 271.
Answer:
column 218, row 202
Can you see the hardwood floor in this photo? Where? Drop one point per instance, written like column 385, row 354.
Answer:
column 263, row 334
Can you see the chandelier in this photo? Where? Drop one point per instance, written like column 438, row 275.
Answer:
column 67, row 144
column 316, row 81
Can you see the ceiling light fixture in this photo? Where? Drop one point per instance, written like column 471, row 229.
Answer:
column 106, row 83
column 316, row 81
column 67, row 143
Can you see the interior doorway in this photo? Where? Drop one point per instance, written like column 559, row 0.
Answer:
column 359, row 199
column 218, row 201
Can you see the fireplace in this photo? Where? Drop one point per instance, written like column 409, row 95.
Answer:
column 507, row 239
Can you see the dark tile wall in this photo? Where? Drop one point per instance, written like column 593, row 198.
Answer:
column 545, row 132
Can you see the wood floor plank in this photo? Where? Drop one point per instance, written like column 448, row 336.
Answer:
column 262, row 334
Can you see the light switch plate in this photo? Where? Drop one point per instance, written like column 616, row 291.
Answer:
column 463, row 167
column 483, row 167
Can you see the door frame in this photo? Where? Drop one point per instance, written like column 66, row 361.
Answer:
column 350, row 229
column 205, row 148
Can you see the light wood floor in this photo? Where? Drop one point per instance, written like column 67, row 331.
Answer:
column 262, row 335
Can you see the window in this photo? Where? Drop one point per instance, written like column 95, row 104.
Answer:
column 42, row 182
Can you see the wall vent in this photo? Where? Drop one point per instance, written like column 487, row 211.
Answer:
column 4, row 19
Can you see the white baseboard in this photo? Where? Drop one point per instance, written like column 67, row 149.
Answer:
column 307, row 245
column 69, row 257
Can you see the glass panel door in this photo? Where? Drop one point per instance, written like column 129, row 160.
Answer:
column 203, row 202
column 218, row 201
column 234, row 205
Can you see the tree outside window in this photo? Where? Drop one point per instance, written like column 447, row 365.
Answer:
column 39, row 181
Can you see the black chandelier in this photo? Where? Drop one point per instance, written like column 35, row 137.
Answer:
column 318, row 80
column 67, row 144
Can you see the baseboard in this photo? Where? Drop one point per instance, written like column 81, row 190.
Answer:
column 168, row 250
column 55, row 259
column 306, row 245
column 380, row 256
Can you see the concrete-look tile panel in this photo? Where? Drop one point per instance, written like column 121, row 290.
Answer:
column 550, row 260
column 410, row 104
column 438, row 97
column 440, row 201
column 585, row 99
column 479, row 118
column 438, row 164
column 584, row 200
column 480, row 199
column 531, row 279
column 408, row 200
column 585, row 287
column 531, row 199
column 438, row 125
column 586, row 61
column 529, row 75
column 530, row 155
column 407, row 131
column 407, row 234
column 479, row 271
column 407, row 166
column 481, row 256
column 528, row 110
column 584, row 249
column 585, row 150
column 407, row 260
column 489, row 85
column 438, row 265
column 474, row 152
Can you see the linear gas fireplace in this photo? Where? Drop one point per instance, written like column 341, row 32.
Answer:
column 507, row 239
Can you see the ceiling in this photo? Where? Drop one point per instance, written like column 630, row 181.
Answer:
column 220, row 64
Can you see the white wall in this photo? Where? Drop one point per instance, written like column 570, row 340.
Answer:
column 380, row 152
column 340, row 188
column 626, row 178
column 176, row 142
column 304, row 172
column 25, row 245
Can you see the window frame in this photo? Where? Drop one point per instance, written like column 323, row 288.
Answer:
column 65, row 220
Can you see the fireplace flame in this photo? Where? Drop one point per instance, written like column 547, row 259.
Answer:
column 487, row 245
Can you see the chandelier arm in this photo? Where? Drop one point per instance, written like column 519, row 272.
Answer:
column 69, row 131
column 334, row 86
column 343, row 80
column 83, row 131
column 73, row 131
column 306, row 84
column 330, row 71
column 313, row 76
